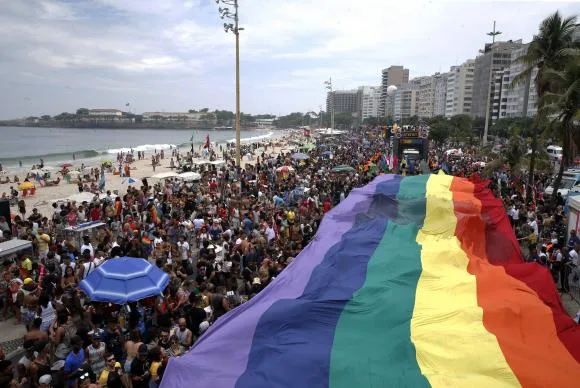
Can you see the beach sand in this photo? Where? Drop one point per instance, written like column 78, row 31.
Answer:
column 44, row 197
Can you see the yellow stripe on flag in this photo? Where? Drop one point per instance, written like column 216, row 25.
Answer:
column 454, row 349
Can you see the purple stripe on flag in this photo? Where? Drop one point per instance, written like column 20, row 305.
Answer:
column 205, row 365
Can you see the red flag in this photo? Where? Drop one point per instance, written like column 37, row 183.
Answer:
column 206, row 145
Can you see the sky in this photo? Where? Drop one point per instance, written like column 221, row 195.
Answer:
column 173, row 55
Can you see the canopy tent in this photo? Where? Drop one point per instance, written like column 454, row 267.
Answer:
column 82, row 197
column 414, row 281
column 190, row 176
column 165, row 175
column 300, row 156
column 123, row 280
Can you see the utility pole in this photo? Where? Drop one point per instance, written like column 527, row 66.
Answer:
column 233, row 27
column 493, row 34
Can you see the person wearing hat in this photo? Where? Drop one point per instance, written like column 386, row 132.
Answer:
column 28, row 301
column 95, row 353
column 45, row 381
column 140, row 375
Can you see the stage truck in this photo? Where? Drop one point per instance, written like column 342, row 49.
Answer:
column 410, row 142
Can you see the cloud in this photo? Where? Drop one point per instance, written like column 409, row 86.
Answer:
column 174, row 54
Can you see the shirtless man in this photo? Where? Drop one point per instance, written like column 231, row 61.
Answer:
column 28, row 301
column 35, row 333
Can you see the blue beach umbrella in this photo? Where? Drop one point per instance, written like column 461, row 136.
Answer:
column 129, row 181
column 123, row 280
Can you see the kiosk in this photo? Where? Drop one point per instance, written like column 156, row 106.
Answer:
column 11, row 248
column 74, row 234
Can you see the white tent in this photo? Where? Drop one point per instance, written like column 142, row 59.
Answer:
column 81, row 197
column 165, row 175
column 190, row 176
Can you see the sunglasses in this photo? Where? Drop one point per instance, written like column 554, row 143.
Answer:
column 111, row 359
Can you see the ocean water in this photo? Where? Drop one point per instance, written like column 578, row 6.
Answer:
column 57, row 145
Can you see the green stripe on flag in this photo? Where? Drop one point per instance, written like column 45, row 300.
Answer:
column 372, row 344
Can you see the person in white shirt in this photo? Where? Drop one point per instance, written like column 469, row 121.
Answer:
column 532, row 223
column 87, row 245
column 183, row 248
column 574, row 255
column 270, row 233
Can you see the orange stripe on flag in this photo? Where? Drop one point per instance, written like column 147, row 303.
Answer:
column 523, row 324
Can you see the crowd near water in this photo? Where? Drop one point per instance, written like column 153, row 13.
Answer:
column 221, row 240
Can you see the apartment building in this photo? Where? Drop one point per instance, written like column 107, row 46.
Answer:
column 393, row 75
column 459, row 89
column 405, row 101
column 371, row 96
column 345, row 101
column 498, row 56
column 517, row 100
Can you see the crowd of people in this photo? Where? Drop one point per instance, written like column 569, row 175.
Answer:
column 221, row 240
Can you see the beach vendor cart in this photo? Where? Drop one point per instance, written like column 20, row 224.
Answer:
column 74, row 234
column 12, row 248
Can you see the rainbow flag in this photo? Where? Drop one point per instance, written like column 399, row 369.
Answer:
column 410, row 282
column 146, row 241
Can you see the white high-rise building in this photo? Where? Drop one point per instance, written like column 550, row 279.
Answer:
column 371, row 96
column 518, row 100
column 405, row 101
column 459, row 89
column 440, row 93
column 425, row 96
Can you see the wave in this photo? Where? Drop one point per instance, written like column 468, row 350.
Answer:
column 82, row 154
column 253, row 138
column 143, row 147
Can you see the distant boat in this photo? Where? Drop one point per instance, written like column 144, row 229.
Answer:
column 223, row 128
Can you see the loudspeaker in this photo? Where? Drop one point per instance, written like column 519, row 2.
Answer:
column 5, row 212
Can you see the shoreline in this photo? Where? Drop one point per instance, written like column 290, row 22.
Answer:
column 88, row 156
column 46, row 196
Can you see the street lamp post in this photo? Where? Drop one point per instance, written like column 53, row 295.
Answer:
column 328, row 85
column 493, row 34
column 233, row 27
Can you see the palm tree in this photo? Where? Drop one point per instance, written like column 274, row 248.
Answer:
column 551, row 48
column 564, row 102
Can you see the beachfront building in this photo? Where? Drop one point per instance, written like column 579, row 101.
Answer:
column 393, row 75
column 105, row 114
column 405, row 101
column 498, row 56
column 371, row 96
column 459, row 89
column 345, row 101
column 425, row 96
column 439, row 93
column 517, row 100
